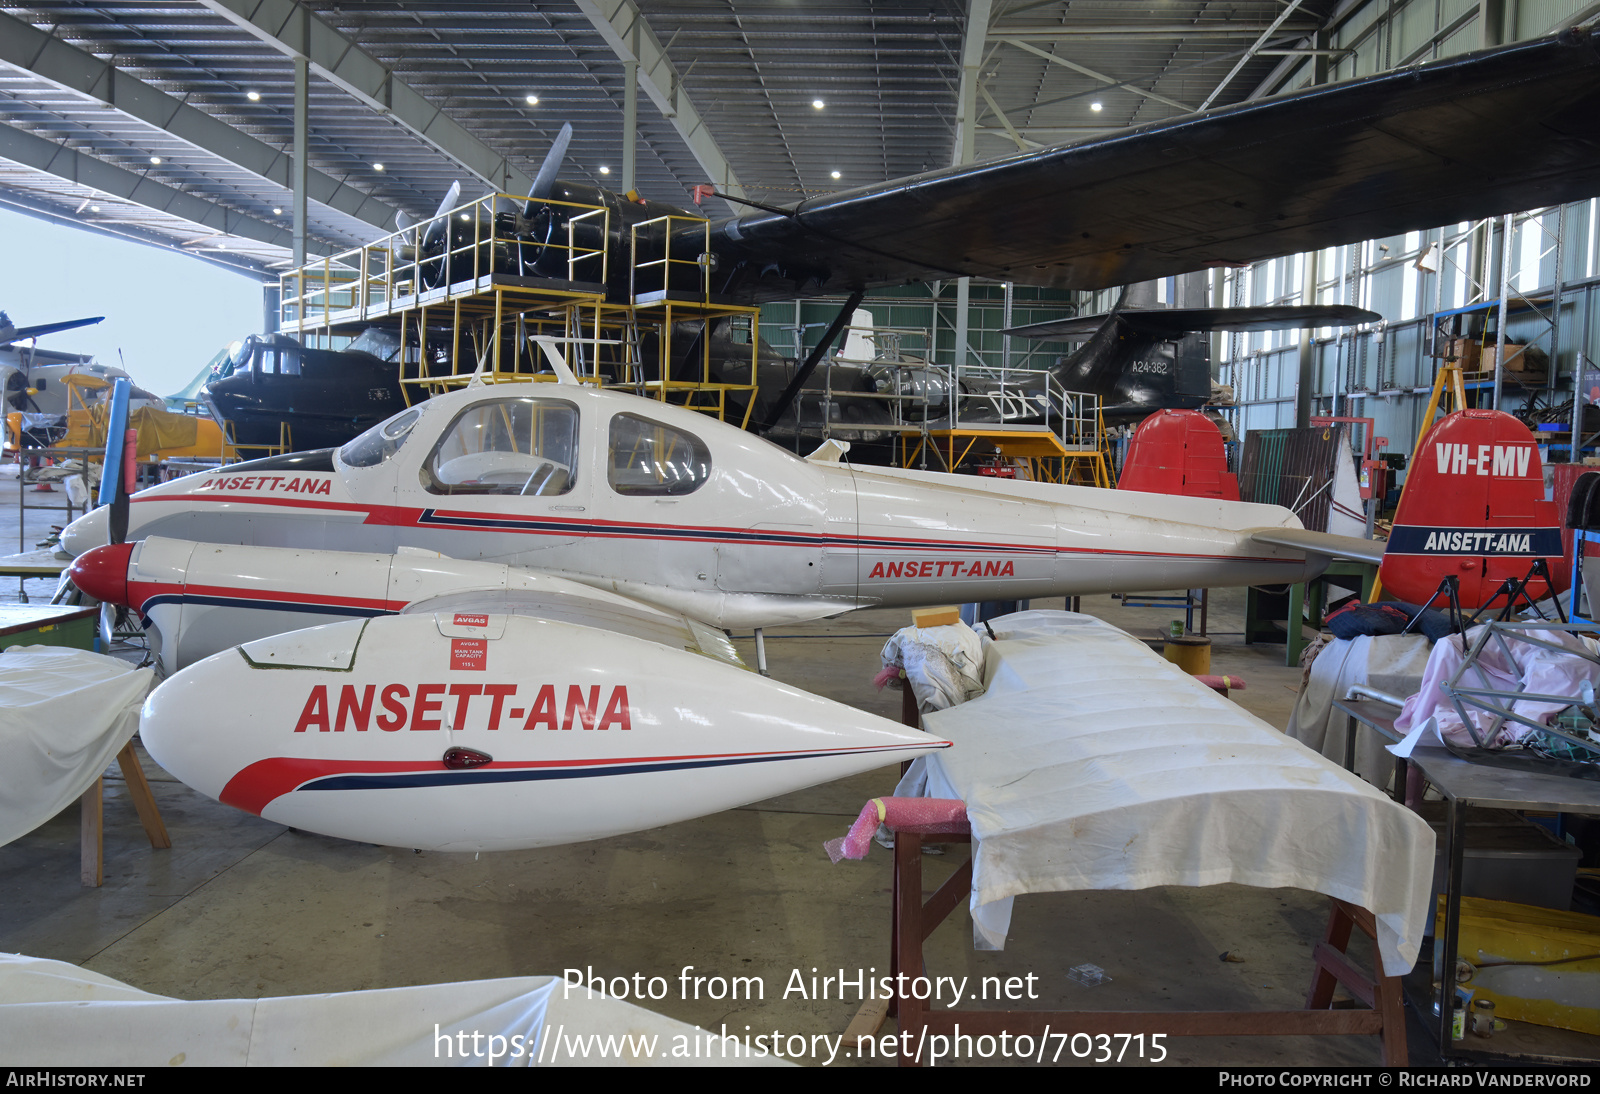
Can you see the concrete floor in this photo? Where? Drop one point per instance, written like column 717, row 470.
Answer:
column 240, row 907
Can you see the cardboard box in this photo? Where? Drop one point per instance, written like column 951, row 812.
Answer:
column 936, row 617
column 1517, row 359
column 1466, row 352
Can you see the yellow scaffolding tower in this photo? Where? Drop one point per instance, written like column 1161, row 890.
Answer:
column 675, row 288
column 470, row 265
column 469, row 268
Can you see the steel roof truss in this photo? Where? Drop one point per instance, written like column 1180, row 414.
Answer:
column 296, row 31
column 625, row 30
column 31, row 50
column 57, row 159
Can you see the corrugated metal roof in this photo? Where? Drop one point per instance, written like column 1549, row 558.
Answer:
column 886, row 72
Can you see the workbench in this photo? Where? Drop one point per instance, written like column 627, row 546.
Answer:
column 1312, row 594
column 1465, row 784
column 1379, row 717
column 40, row 563
column 49, row 625
column 914, row 920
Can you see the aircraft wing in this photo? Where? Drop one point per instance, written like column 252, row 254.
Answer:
column 22, row 334
column 1176, row 322
column 1325, row 544
column 1496, row 131
column 167, row 580
column 565, row 601
column 1092, row 763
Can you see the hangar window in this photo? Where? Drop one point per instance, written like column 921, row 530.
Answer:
column 509, row 446
column 649, row 459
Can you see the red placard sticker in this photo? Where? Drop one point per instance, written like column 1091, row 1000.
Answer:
column 469, row 653
column 465, row 620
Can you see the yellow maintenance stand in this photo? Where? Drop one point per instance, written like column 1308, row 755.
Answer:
column 1072, row 453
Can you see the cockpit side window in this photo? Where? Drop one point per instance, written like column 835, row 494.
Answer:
column 381, row 441
column 509, row 446
column 648, row 459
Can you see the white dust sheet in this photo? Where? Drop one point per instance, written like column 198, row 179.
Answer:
column 53, row 1014
column 64, row 715
column 1391, row 663
column 1093, row 763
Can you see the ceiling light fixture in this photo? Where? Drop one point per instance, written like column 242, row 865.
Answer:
column 377, row 167
column 277, row 211
column 1096, row 107
column 533, row 100
column 253, row 96
column 605, row 170
column 817, row 104
column 155, row 159
column 836, row 174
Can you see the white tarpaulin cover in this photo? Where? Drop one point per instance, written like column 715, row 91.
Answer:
column 1093, row 763
column 64, row 715
column 53, row 1014
column 1391, row 663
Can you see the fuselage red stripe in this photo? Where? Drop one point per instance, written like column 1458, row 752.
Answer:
column 257, row 785
column 511, row 524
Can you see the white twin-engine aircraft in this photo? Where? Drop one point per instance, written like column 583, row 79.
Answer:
column 522, row 589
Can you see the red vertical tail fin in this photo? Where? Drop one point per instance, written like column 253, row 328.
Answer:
column 1474, row 506
column 1179, row 452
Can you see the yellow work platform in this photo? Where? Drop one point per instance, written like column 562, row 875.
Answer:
column 1049, row 458
column 475, row 297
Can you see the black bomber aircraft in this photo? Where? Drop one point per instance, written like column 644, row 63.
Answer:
column 1322, row 166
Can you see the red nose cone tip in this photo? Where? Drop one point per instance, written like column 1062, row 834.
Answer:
column 103, row 573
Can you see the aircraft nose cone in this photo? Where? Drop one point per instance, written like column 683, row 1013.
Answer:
column 91, row 530
column 103, row 572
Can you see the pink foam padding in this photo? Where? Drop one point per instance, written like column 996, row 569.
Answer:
column 1231, row 683
column 928, row 816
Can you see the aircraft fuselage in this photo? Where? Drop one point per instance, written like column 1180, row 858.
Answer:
column 682, row 511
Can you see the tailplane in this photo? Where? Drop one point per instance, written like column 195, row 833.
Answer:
column 1140, row 358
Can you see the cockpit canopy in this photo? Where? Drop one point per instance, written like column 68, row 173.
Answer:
column 531, row 445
